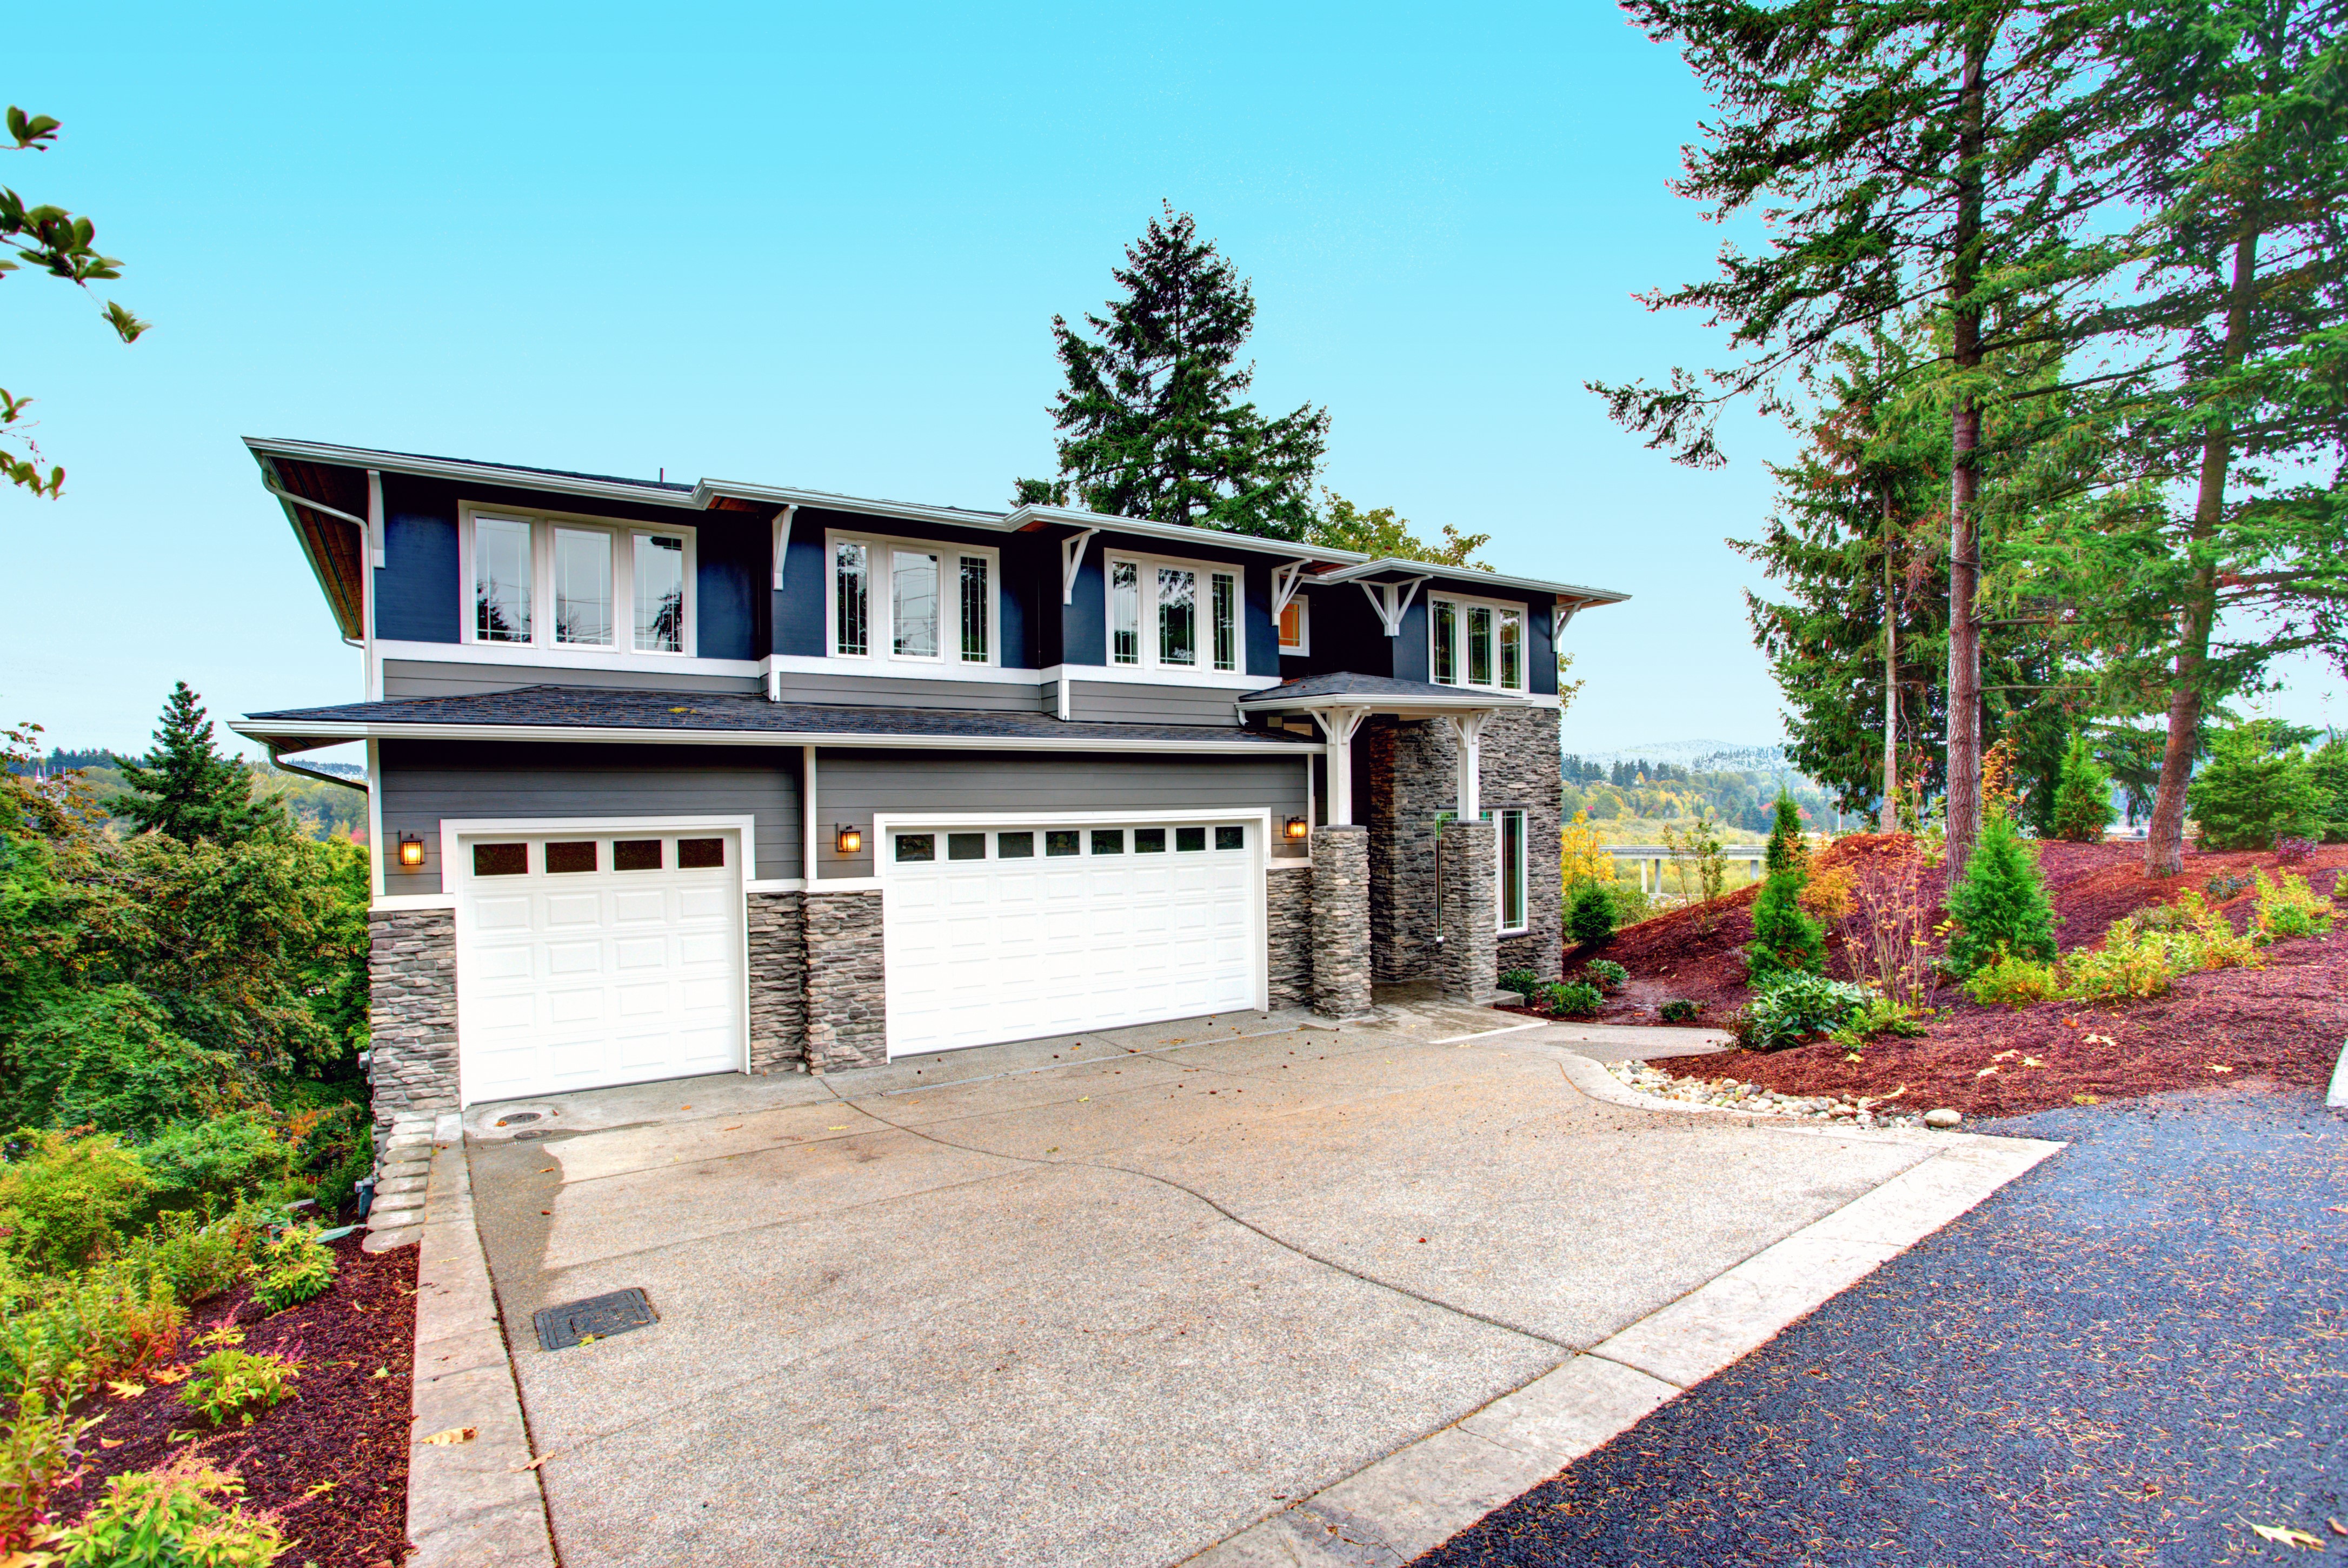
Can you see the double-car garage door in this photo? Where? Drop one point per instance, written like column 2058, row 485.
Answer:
column 592, row 958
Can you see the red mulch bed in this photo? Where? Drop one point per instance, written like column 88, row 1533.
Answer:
column 2283, row 1024
column 345, row 1426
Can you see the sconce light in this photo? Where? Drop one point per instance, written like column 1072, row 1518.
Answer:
column 850, row 840
column 1297, row 827
column 411, row 850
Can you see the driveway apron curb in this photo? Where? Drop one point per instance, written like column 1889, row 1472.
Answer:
column 1420, row 1496
column 473, row 1502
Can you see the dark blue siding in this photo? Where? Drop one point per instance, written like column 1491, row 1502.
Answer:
column 417, row 598
column 1084, row 621
column 729, row 556
column 800, row 603
column 1259, row 633
column 1410, row 649
column 1541, row 649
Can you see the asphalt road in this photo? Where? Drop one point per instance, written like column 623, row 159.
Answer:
column 2135, row 1353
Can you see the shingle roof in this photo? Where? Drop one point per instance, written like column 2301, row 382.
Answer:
column 558, row 707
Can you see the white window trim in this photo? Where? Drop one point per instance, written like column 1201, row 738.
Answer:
column 1524, row 868
column 880, row 607
column 542, row 642
column 1462, row 604
column 1145, row 587
column 1302, row 603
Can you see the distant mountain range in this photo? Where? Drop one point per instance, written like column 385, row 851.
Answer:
column 1697, row 756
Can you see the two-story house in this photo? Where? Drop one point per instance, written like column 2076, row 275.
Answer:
column 670, row 778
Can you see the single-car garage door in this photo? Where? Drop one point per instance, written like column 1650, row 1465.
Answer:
column 593, row 958
column 1008, row 933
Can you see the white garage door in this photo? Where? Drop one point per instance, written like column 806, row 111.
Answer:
column 586, row 959
column 1010, row 933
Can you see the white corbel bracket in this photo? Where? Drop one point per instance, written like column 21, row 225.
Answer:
column 1468, row 729
column 1560, row 617
column 1286, row 578
column 1338, row 725
column 783, row 540
column 1072, row 555
column 1392, row 602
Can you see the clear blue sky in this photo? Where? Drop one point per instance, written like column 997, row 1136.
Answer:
column 822, row 248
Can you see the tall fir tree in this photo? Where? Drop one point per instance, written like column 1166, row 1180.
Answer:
column 1907, row 154
column 185, row 790
column 1155, row 419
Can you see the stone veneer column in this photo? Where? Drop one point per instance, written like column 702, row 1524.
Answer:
column 1521, row 748
column 411, row 1012
column 1468, row 968
column 1288, row 934
column 846, row 993
column 777, row 983
column 1341, row 921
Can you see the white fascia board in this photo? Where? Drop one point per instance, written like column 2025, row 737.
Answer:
column 454, row 469
column 1073, row 517
column 1461, row 576
column 519, row 659
column 1402, row 706
column 333, row 732
column 708, row 492
column 1159, row 675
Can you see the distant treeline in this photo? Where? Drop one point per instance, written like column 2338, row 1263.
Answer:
column 1735, row 797
column 319, row 809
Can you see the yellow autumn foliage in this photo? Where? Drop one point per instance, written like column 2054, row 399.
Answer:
column 1582, row 852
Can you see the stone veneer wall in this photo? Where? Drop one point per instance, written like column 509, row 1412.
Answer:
column 411, row 1012
column 1288, row 932
column 1341, row 921
column 1468, row 966
column 777, row 983
column 847, row 996
column 1413, row 776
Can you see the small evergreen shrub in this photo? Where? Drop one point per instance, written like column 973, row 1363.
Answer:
column 1590, row 914
column 1785, row 940
column 2329, row 769
column 2256, row 788
column 237, row 1385
column 2290, row 908
column 168, row 1519
column 2083, row 795
column 1795, row 1006
column 1573, row 999
column 296, row 1267
column 1523, row 981
column 1680, row 1010
column 2224, row 885
column 1606, row 974
column 1999, row 907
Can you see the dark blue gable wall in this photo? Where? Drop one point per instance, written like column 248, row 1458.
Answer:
column 1084, row 620
column 801, row 605
column 1260, row 640
column 417, row 596
column 730, row 556
column 1541, row 649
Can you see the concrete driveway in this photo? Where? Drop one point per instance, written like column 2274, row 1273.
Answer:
column 1113, row 1300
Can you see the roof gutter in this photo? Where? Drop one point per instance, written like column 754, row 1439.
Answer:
column 317, row 733
column 277, row 759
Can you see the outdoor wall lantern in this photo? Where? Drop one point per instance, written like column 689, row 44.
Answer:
column 1297, row 827
column 411, row 850
column 850, row 839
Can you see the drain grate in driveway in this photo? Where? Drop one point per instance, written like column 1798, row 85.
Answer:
column 597, row 1317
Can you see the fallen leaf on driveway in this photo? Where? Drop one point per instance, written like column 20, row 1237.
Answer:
column 452, row 1437
column 533, row 1464
column 2284, row 1535
column 2337, row 1528
column 842, row 1128
column 736, row 1128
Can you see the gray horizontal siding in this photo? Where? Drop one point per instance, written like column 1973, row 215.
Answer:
column 912, row 691
column 1116, row 702
column 423, row 678
column 425, row 782
column 851, row 785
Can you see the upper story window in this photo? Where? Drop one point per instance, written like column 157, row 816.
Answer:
column 1172, row 614
column 576, row 582
column 1474, row 644
column 1296, row 628
column 913, row 600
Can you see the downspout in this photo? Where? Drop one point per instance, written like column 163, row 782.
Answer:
column 277, row 760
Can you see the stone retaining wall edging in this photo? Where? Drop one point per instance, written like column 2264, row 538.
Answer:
column 476, row 1503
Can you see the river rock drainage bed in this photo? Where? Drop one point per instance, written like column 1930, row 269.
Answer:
column 1734, row 1094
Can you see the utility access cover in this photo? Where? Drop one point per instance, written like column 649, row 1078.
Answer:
column 597, row 1317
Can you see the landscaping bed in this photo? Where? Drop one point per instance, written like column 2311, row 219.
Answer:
column 330, row 1464
column 2280, row 1024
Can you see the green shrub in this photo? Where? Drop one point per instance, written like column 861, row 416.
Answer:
column 295, row 1267
column 1999, row 907
column 2015, row 981
column 1785, row 940
column 1590, row 913
column 2256, row 788
column 2083, row 795
column 2291, row 908
column 2132, row 962
column 1523, row 981
column 168, row 1519
column 2223, row 886
column 1793, row 1007
column 107, row 1057
column 2329, row 769
column 1879, row 1014
column 64, row 1200
column 226, row 1157
column 1606, row 974
column 59, row 1338
column 36, row 1448
column 1632, row 905
column 1680, row 1010
column 237, row 1385
column 199, row 1258
column 1573, row 999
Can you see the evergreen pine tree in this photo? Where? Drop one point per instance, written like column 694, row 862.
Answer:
column 2257, row 787
column 1155, row 419
column 2083, row 795
column 2329, row 768
column 1785, row 940
column 2000, row 905
column 186, row 789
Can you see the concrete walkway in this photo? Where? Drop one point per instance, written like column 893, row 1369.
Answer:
column 1106, row 1300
